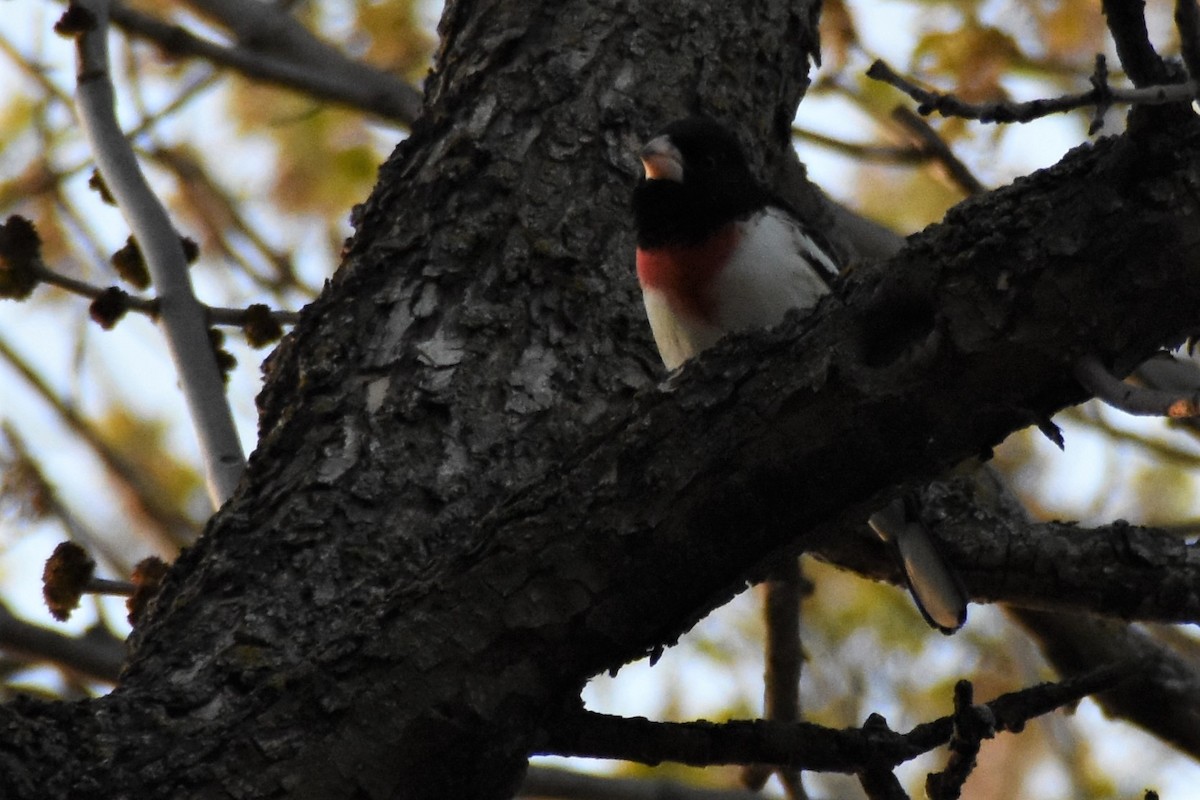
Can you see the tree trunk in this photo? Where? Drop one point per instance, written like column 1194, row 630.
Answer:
column 470, row 495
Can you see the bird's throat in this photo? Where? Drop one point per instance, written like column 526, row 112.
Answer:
column 685, row 274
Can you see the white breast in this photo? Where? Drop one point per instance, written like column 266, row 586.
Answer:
column 770, row 273
column 678, row 336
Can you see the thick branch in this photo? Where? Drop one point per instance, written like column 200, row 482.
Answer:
column 1120, row 569
column 1127, row 23
column 1187, row 21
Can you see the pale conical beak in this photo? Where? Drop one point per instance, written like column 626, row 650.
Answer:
column 662, row 161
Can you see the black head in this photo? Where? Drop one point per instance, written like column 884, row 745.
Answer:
column 697, row 179
column 708, row 148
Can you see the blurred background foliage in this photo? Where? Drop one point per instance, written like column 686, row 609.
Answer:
column 95, row 446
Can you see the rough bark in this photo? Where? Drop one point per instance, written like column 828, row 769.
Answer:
column 1118, row 570
column 470, row 495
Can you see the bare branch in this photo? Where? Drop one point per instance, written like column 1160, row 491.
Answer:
column 1119, row 570
column 877, row 777
column 934, row 148
column 890, row 154
column 802, row 745
column 220, row 216
column 1174, row 455
column 181, row 314
column 48, row 503
column 797, row 745
column 1137, row 400
column 972, row 724
column 1004, row 112
column 1187, row 20
column 1161, row 698
column 170, row 529
column 543, row 782
column 33, row 71
column 217, row 315
column 333, row 77
column 784, row 658
column 1127, row 23
column 97, row 655
column 882, row 784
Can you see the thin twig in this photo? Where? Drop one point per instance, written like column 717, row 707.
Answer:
column 803, row 745
column 177, row 103
column 216, row 210
column 1104, row 94
column 926, row 145
column 1164, row 451
column 935, row 148
column 170, row 529
column 188, row 92
column 217, row 315
column 181, row 314
column 972, row 724
column 1004, row 112
column 45, row 498
column 888, row 154
column 33, row 70
column 85, row 238
column 561, row 784
column 1137, row 400
column 108, row 586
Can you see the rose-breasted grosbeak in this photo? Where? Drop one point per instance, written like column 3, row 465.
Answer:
column 717, row 253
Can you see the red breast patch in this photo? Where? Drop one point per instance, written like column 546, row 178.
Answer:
column 685, row 274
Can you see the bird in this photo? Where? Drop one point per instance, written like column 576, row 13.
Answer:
column 717, row 252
